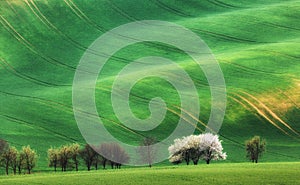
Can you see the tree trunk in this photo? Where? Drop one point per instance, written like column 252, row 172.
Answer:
column 187, row 159
column 104, row 163
column 96, row 166
column 6, row 169
column 15, row 170
column 112, row 165
column 207, row 161
column 19, row 169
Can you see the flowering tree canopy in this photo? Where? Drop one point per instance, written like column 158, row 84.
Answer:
column 195, row 147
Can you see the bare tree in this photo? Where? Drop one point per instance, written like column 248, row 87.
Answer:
column 114, row 154
column 3, row 146
column 118, row 156
column 147, row 150
column 88, row 154
column 105, row 150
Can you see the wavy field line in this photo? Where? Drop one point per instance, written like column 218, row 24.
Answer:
column 11, row 6
column 279, row 53
column 239, row 102
column 280, row 26
column 28, row 4
column 69, row 109
column 40, row 100
column 222, row 4
column 82, row 15
column 20, row 121
column 75, row 43
column 246, row 107
column 194, row 118
column 121, row 12
column 15, row 72
column 262, row 114
column 272, row 113
column 85, row 18
column 180, row 115
column 249, row 69
column 171, row 110
column 224, row 36
column 290, row 98
column 28, row 45
column 170, row 9
column 46, row 22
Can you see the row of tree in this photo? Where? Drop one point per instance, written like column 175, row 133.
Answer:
column 69, row 156
column 193, row 148
column 11, row 158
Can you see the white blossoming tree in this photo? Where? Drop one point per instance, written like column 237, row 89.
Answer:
column 211, row 148
column 195, row 147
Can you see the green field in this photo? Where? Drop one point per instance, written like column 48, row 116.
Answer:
column 257, row 44
column 267, row 173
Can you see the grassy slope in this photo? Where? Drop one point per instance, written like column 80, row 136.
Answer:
column 241, row 173
column 256, row 43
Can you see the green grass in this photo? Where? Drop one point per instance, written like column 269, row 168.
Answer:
column 256, row 44
column 243, row 173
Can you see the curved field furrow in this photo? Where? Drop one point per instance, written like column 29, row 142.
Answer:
column 121, row 12
column 184, row 118
column 15, row 72
column 194, row 118
column 261, row 113
column 85, row 18
column 45, row 21
column 239, row 102
column 41, row 100
column 280, row 26
column 250, row 70
column 222, row 4
column 280, row 53
column 225, row 37
column 290, row 98
column 170, row 9
column 11, row 6
column 275, row 116
column 29, row 46
column 65, row 107
column 82, row 16
column 20, row 121
column 227, row 5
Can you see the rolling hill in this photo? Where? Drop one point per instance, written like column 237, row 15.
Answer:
column 257, row 45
